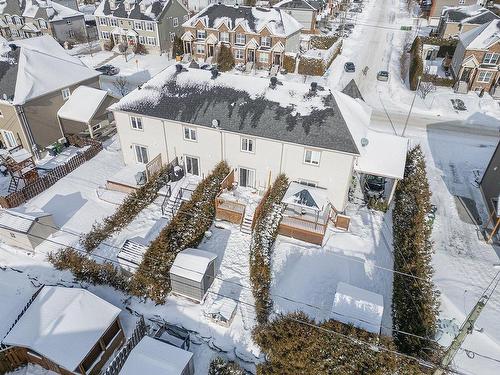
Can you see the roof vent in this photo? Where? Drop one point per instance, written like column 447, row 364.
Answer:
column 215, row 73
column 178, row 68
column 215, row 123
column 274, row 82
column 314, row 86
column 364, row 142
column 12, row 46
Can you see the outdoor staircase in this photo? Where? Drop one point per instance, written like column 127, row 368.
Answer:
column 246, row 225
column 171, row 206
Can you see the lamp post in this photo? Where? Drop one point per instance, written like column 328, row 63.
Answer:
column 411, row 106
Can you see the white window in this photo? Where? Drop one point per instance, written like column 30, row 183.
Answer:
column 200, row 34
column 308, row 183
column 240, row 38
column 190, row 134
column 265, row 41
column 105, row 35
column 136, row 122
column 71, row 33
column 151, row 41
column 312, row 157
column 247, row 145
column 142, row 40
column 172, row 37
column 238, row 54
column 42, row 23
column 9, row 19
column 175, row 22
column 491, row 58
column 103, row 21
column 224, row 37
column 9, row 138
column 484, row 76
column 65, row 94
column 141, row 154
column 185, row 18
column 113, row 22
column 150, row 26
column 247, row 177
column 138, row 25
column 264, row 57
column 200, row 48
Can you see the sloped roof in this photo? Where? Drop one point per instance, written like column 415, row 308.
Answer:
column 252, row 19
column 352, row 90
column 482, row 37
column 247, row 105
column 63, row 324
column 43, row 66
column 306, row 196
column 192, row 263
column 294, row 4
column 474, row 14
column 47, row 10
column 19, row 220
column 83, row 104
column 153, row 9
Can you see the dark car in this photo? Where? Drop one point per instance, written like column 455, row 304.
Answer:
column 108, row 70
column 374, row 186
column 349, row 67
column 383, row 75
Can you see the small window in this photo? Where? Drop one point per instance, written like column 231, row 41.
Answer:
column 491, row 58
column 484, row 76
column 200, row 34
column 142, row 40
column 105, row 35
column 103, row 21
column 175, row 22
column 42, row 23
column 265, row 41
column 308, row 183
column 185, row 18
column 190, row 134
column 138, row 25
column 264, row 57
column 151, row 41
column 247, row 145
column 238, row 54
column 200, row 48
column 240, row 38
column 312, row 157
column 224, row 37
column 141, row 154
column 65, row 94
column 172, row 37
column 113, row 22
column 150, row 26
column 136, row 123
column 71, row 33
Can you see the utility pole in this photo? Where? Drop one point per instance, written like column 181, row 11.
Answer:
column 411, row 107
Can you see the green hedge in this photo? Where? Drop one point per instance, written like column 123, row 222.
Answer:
column 225, row 59
column 323, row 41
column 263, row 237
column 446, row 46
column 289, row 63
column 186, row 229
column 219, row 366
column 438, row 81
column 416, row 64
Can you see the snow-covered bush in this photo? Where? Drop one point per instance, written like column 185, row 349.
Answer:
column 225, row 59
column 220, row 366
column 289, row 63
column 323, row 41
column 186, row 229
column 294, row 344
column 416, row 64
column 315, row 62
column 263, row 236
column 415, row 300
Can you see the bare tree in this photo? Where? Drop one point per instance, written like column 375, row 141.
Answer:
column 425, row 88
column 121, row 84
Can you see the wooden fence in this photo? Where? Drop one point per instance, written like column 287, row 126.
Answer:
column 226, row 209
column 11, row 358
column 32, row 190
column 260, row 207
column 117, row 363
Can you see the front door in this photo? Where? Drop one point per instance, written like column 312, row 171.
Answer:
column 466, row 74
column 247, row 177
column 193, row 165
column 210, row 50
column 187, row 47
column 251, row 55
column 277, row 59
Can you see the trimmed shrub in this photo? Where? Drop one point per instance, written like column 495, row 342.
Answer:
column 416, row 64
column 110, row 44
column 140, row 49
column 295, row 344
column 289, row 63
column 311, row 66
column 220, row 366
column 225, row 59
column 178, row 46
column 134, row 203
column 378, row 204
column 438, row 81
column 446, row 46
column 415, row 301
column 323, row 41
column 263, row 237
column 186, row 229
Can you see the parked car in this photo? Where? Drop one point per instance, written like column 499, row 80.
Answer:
column 356, row 10
column 349, row 67
column 108, row 70
column 383, row 75
column 374, row 186
column 349, row 26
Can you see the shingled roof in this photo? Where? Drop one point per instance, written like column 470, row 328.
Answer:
column 47, row 10
column 352, row 90
column 248, row 105
column 152, row 9
column 473, row 14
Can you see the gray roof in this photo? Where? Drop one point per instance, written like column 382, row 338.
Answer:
column 35, row 9
column 463, row 15
column 295, row 4
column 352, row 90
column 322, row 125
column 152, row 11
column 8, row 74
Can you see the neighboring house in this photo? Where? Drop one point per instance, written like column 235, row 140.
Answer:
column 256, row 35
column 490, row 189
column 37, row 76
column 458, row 20
column 307, row 13
column 30, row 18
column 152, row 23
column 434, row 8
column 65, row 330
column 24, row 229
column 476, row 61
column 197, row 5
column 312, row 135
column 154, row 357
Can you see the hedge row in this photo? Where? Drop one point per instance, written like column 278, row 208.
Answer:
column 323, row 41
column 289, row 63
column 134, row 203
column 415, row 300
column 295, row 344
column 263, row 237
column 220, row 366
column 438, row 81
column 416, row 64
column 316, row 66
column 446, row 46
column 186, row 229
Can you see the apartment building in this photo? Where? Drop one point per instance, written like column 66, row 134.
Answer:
column 151, row 23
column 257, row 35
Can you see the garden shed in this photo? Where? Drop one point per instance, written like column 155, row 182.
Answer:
column 24, row 229
column 192, row 273
column 154, row 357
column 359, row 307
column 222, row 311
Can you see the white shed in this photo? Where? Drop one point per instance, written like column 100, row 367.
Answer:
column 154, row 357
column 25, row 229
column 222, row 311
column 192, row 273
column 359, row 307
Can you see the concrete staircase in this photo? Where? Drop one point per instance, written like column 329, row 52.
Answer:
column 171, row 207
column 246, row 225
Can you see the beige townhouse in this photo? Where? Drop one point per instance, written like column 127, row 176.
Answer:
column 457, row 20
column 255, row 35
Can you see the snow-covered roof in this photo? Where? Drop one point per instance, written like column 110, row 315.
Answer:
column 48, row 10
column 148, row 10
column 224, row 307
column 302, row 195
column 294, row 4
column 252, row 19
column 63, row 324
column 482, row 37
column 42, row 66
column 473, row 14
column 359, row 307
column 83, row 104
column 192, row 264
column 154, row 357
column 384, row 155
column 19, row 220
column 289, row 112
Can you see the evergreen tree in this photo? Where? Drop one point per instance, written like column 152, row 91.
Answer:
column 415, row 300
column 219, row 366
column 225, row 59
column 178, row 46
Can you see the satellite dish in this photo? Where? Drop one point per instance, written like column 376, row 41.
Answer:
column 364, row 142
column 215, row 123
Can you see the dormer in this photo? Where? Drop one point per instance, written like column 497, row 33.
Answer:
column 142, row 6
column 113, row 4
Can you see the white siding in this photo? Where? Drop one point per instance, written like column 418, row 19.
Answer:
column 303, row 16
